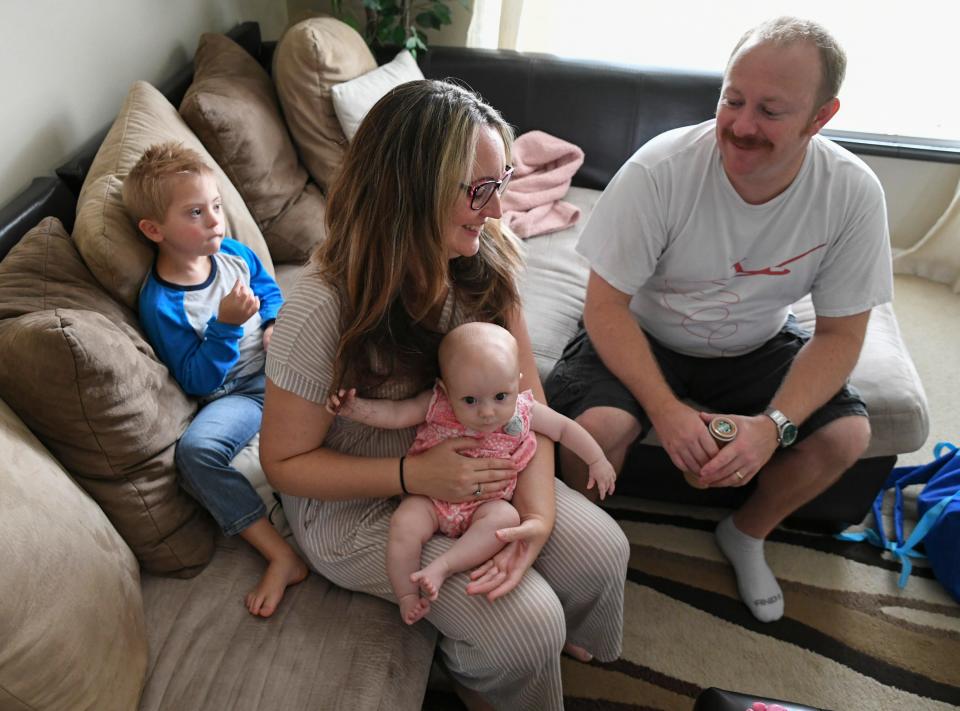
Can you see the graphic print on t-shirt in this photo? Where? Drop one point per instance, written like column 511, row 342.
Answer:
column 777, row 269
column 705, row 307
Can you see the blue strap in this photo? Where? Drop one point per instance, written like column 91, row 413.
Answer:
column 940, row 446
column 900, row 477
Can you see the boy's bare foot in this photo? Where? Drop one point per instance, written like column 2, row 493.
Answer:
column 430, row 579
column 281, row 572
column 413, row 607
column 578, row 653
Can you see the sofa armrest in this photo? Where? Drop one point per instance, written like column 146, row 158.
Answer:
column 44, row 197
column 71, row 612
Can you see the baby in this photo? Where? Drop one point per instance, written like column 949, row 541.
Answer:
column 476, row 396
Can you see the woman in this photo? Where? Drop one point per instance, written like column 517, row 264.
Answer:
column 414, row 248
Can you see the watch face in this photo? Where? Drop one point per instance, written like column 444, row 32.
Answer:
column 788, row 435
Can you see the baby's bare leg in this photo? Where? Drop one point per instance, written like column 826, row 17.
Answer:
column 411, row 526
column 284, row 567
column 474, row 547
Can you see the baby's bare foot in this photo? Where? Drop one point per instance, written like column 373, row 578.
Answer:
column 578, row 653
column 280, row 573
column 413, row 607
column 430, row 579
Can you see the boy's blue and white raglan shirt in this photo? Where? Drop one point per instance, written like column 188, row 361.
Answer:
column 181, row 321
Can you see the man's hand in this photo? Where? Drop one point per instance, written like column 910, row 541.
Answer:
column 684, row 436
column 505, row 570
column 267, row 337
column 238, row 306
column 739, row 461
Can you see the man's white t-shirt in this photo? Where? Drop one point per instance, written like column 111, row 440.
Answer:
column 712, row 275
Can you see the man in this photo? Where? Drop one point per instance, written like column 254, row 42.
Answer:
column 697, row 248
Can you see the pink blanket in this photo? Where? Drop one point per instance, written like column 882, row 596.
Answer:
column 543, row 166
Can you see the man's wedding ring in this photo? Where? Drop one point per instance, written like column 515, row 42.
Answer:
column 478, row 491
column 738, row 474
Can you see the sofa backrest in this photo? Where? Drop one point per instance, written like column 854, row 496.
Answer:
column 608, row 110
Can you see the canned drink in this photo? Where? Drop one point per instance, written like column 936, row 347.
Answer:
column 723, row 430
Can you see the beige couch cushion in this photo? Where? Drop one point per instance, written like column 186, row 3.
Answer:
column 114, row 250
column 554, row 287
column 232, row 108
column 71, row 612
column 81, row 375
column 311, row 57
column 324, row 648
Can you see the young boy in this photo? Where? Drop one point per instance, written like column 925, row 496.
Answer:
column 208, row 307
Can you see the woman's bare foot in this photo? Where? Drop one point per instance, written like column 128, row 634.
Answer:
column 578, row 653
column 413, row 607
column 430, row 579
column 281, row 572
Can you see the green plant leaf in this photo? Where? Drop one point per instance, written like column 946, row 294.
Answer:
column 442, row 13
column 429, row 20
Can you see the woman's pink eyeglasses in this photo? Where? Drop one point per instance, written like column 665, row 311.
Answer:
column 481, row 193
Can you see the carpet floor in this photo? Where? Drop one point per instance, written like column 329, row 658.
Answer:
column 850, row 638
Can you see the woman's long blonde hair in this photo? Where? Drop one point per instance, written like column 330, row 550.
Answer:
column 386, row 211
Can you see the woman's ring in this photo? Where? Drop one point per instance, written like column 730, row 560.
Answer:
column 739, row 475
column 478, row 491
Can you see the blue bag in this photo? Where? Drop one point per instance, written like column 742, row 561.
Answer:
column 938, row 507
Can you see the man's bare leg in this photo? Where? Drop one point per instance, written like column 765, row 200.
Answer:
column 788, row 481
column 615, row 430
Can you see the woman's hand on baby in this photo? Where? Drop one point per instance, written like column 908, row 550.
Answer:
column 602, row 474
column 444, row 474
column 504, row 571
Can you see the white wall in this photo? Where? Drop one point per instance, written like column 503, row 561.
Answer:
column 917, row 194
column 67, row 65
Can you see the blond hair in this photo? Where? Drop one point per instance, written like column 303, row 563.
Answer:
column 386, row 213
column 148, row 188
column 784, row 31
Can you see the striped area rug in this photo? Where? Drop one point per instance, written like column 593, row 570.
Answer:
column 850, row 638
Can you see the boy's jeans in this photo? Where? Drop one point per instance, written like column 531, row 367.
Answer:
column 228, row 419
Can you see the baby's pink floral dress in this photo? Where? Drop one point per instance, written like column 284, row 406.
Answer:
column 513, row 441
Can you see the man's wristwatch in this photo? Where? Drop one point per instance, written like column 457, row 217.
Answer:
column 786, row 430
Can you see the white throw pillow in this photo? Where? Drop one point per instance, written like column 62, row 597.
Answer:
column 353, row 99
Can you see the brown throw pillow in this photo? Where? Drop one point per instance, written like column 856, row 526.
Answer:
column 311, row 57
column 82, row 377
column 114, row 250
column 232, row 108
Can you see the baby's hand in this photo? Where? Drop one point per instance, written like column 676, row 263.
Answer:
column 343, row 402
column 238, row 306
column 602, row 474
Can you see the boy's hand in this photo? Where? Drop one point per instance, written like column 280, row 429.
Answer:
column 238, row 306
column 602, row 474
column 343, row 403
column 267, row 335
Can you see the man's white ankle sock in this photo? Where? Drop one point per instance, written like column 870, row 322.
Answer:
column 758, row 587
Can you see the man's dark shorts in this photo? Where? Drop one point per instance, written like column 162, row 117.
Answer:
column 737, row 385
